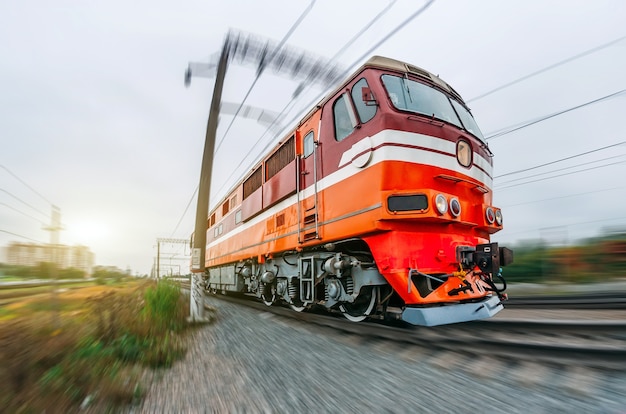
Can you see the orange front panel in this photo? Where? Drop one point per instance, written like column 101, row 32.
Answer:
column 356, row 207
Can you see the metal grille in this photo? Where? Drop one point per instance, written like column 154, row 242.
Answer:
column 281, row 158
column 252, row 183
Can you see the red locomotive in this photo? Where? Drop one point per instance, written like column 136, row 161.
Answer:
column 378, row 204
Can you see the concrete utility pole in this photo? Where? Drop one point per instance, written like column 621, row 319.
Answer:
column 264, row 54
column 198, row 261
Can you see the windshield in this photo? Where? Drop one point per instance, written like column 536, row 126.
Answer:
column 409, row 95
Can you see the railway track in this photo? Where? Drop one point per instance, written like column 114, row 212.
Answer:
column 590, row 344
column 587, row 301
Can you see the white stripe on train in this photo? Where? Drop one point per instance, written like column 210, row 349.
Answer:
column 381, row 154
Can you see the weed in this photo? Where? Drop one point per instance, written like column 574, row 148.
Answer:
column 94, row 356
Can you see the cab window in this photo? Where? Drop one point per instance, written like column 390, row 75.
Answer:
column 309, row 145
column 366, row 110
column 345, row 119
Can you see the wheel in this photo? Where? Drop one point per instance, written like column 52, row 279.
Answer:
column 362, row 307
column 268, row 294
column 297, row 305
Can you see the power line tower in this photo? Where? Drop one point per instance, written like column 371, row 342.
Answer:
column 55, row 226
column 172, row 256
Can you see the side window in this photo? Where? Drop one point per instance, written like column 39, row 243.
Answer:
column 366, row 111
column 309, row 145
column 345, row 120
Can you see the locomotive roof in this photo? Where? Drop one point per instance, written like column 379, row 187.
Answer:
column 381, row 62
column 388, row 63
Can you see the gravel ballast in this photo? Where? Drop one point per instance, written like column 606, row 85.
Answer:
column 254, row 362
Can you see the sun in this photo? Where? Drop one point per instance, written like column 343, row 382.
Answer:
column 87, row 231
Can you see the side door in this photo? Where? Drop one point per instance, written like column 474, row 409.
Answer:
column 309, row 173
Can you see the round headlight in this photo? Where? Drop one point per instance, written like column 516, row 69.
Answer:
column 455, row 207
column 464, row 153
column 490, row 215
column 441, row 203
column 499, row 217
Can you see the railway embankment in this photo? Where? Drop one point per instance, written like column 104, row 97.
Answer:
column 255, row 360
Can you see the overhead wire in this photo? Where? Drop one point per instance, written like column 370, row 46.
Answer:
column 262, row 68
column 19, row 235
column 24, row 202
column 25, row 184
column 508, row 130
column 562, row 197
column 561, row 175
column 347, row 71
column 258, row 75
column 560, row 160
column 547, row 68
column 23, row 213
column 559, row 169
column 291, row 103
column 186, row 209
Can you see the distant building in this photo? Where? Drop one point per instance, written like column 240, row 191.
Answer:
column 30, row 254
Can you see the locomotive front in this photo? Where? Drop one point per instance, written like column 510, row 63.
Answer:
column 437, row 215
column 378, row 204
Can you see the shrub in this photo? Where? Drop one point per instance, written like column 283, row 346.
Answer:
column 94, row 357
column 163, row 306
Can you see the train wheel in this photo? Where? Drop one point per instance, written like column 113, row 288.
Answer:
column 268, row 295
column 297, row 306
column 363, row 305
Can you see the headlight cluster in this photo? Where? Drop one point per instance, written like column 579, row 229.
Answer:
column 493, row 216
column 442, row 205
column 455, row 207
column 499, row 217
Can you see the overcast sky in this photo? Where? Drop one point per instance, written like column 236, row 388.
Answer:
column 94, row 115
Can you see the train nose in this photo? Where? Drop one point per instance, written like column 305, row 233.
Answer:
column 454, row 313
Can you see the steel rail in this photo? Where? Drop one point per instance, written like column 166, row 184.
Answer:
column 612, row 300
column 604, row 346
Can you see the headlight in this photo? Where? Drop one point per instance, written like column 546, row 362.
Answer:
column 455, row 207
column 441, row 203
column 464, row 153
column 490, row 215
column 499, row 217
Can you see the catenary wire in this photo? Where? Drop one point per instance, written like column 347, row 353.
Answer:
column 291, row 103
column 258, row 75
column 19, row 235
column 562, row 197
column 27, row 186
column 21, row 212
column 347, row 71
column 547, row 68
column 509, row 130
column 559, row 160
column 561, row 175
column 559, row 169
column 23, row 202
column 186, row 209
column 262, row 68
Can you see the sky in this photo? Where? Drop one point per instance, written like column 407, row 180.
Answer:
column 95, row 118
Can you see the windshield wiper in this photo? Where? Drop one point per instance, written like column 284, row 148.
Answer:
column 406, row 86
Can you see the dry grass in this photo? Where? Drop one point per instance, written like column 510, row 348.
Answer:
column 89, row 344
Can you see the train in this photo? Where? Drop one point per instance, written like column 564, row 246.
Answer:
column 376, row 205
